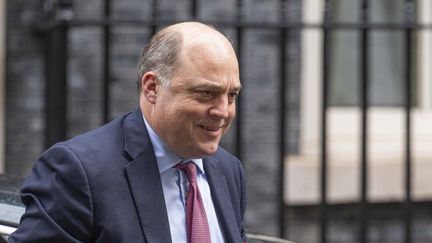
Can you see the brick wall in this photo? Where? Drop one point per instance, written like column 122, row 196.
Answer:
column 24, row 89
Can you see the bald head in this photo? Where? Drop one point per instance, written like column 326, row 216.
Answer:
column 195, row 32
column 191, row 41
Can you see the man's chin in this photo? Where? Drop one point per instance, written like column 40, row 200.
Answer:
column 208, row 151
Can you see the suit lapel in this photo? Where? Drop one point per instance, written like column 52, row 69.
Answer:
column 144, row 180
column 221, row 200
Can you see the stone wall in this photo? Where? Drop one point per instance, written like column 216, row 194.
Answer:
column 24, row 88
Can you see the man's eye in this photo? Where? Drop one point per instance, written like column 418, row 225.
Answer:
column 206, row 94
column 233, row 95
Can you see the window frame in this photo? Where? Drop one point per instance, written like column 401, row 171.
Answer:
column 311, row 77
column 386, row 127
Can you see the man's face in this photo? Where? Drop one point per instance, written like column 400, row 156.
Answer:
column 196, row 109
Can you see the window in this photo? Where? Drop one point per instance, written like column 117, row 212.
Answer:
column 386, row 116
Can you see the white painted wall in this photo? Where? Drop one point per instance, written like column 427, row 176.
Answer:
column 311, row 73
column 425, row 54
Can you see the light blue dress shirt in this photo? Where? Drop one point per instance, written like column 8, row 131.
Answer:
column 175, row 185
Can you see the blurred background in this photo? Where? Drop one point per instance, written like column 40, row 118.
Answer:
column 333, row 122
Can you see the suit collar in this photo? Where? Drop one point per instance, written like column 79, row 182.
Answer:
column 136, row 137
column 221, row 199
column 144, row 180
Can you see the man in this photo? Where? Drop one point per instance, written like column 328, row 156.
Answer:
column 129, row 181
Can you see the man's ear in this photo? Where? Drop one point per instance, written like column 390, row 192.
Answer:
column 150, row 86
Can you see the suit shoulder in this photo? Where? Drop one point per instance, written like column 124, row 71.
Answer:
column 108, row 128
column 98, row 138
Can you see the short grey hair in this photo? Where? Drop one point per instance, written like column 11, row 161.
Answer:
column 159, row 56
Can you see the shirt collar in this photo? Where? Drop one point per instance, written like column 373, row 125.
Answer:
column 166, row 158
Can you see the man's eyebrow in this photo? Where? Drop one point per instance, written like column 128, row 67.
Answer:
column 214, row 86
column 237, row 87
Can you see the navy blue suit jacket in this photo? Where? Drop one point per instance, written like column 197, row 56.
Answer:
column 104, row 186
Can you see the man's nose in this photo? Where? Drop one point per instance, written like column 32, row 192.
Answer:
column 220, row 108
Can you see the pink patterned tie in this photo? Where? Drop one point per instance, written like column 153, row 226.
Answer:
column 196, row 219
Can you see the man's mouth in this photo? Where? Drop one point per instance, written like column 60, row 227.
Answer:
column 211, row 128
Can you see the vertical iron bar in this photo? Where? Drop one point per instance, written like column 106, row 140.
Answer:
column 410, row 19
column 282, row 120
column 364, row 124
column 106, row 63
column 56, row 56
column 239, row 134
column 194, row 9
column 154, row 16
column 325, row 87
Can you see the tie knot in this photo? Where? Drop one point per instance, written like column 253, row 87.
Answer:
column 189, row 169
